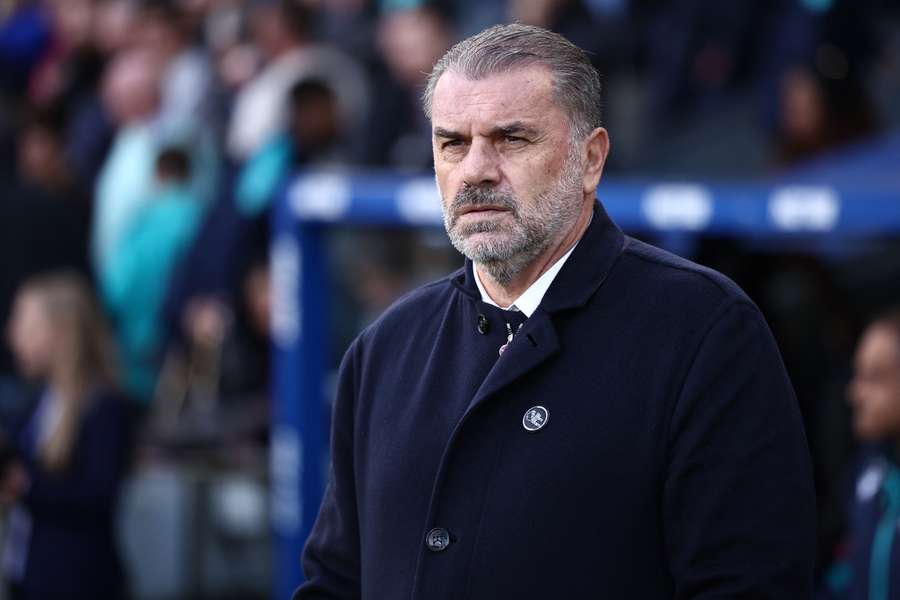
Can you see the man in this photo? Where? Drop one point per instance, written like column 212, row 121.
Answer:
column 281, row 31
column 623, row 428
column 864, row 565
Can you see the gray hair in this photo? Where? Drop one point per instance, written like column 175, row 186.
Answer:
column 503, row 47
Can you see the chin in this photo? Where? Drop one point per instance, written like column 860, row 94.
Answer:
column 486, row 247
column 870, row 433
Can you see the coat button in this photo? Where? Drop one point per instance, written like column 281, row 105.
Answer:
column 483, row 325
column 437, row 539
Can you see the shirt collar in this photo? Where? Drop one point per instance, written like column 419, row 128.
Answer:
column 528, row 302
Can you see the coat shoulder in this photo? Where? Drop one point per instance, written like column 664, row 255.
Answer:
column 412, row 311
column 678, row 279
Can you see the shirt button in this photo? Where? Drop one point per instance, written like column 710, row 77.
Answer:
column 437, row 539
column 483, row 325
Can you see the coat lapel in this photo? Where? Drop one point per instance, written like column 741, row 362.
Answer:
column 535, row 343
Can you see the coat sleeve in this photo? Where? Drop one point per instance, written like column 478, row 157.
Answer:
column 738, row 502
column 331, row 561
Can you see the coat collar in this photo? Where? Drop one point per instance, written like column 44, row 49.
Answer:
column 582, row 274
column 537, row 341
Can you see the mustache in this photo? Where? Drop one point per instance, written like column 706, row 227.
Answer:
column 471, row 195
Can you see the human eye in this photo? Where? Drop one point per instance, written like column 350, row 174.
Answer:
column 453, row 148
column 514, row 140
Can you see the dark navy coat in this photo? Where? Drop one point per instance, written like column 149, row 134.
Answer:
column 673, row 463
column 72, row 552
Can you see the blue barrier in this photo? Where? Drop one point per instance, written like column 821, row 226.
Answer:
column 310, row 203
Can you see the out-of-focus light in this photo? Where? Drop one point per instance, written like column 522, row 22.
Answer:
column 817, row 5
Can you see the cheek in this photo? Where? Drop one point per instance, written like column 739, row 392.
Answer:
column 33, row 345
column 880, row 413
column 536, row 173
column 446, row 188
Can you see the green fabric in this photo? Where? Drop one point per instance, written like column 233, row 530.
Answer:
column 261, row 174
column 135, row 278
column 882, row 546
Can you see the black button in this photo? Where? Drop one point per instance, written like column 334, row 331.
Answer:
column 483, row 325
column 437, row 539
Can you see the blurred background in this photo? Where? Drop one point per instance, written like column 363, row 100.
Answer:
column 146, row 147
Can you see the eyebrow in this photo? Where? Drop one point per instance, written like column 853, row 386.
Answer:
column 446, row 133
column 514, row 128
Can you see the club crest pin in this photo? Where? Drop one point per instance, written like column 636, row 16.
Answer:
column 535, row 418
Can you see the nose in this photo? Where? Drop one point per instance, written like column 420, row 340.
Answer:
column 481, row 165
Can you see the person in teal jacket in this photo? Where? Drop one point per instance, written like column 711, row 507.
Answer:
column 134, row 282
column 867, row 562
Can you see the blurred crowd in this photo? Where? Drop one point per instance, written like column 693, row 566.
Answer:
column 142, row 143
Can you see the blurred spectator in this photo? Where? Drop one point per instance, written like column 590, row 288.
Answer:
column 70, row 75
column 311, row 139
column 214, row 383
column 602, row 28
column 131, row 94
column 134, row 279
column 42, row 161
column 240, row 337
column 281, row 32
column 74, row 448
column 698, row 51
column 246, row 345
column 820, row 112
column 24, row 37
column 409, row 42
column 865, row 566
column 349, row 25
column 44, row 216
column 186, row 76
column 184, row 115
column 68, row 65
column 207, row 277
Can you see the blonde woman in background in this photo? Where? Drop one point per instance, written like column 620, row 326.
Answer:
column 73, row 450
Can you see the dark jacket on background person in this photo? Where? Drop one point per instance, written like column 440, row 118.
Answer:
column 868, row 563
column 70, row 551
column 672, row 462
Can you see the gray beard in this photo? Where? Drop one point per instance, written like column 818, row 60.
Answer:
column 503, row 260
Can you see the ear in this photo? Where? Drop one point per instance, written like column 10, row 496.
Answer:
column 596, row 150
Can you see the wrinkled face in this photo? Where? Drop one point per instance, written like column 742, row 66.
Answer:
column 874, row 392
column 509, row 176
column 31, row 336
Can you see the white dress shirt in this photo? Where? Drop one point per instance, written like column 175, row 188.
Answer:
column 528, row 302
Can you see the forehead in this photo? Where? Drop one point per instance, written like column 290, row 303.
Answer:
column 880, row 347
column 523, row 94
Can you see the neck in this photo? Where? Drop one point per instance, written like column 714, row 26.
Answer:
column 505, row 295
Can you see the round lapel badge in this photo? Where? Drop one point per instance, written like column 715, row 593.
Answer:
column 535, row 418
